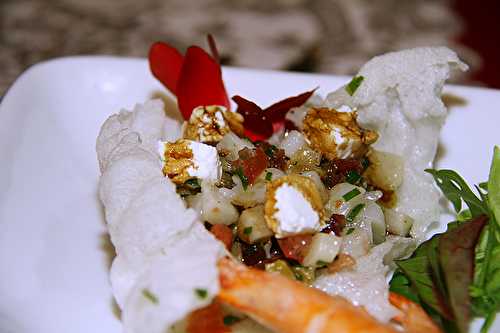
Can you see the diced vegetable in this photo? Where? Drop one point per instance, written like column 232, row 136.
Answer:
column 338, row 205
column 323, row 250
column 214, row 207
column 295, row 247
column 386, row 170
column 305, row 159
column 313, row 175
column 252, row 226
column 374, row 217
column 355, row 243
column 304, row 274
column 223, row 233
column 281, row 267
column 397, row 223
column 292, row 142
column 252, row 196
column 231, row 144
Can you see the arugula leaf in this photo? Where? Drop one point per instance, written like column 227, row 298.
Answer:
column 456, row 190
column 485, row 289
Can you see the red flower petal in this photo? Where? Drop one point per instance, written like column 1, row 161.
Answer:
column 165, row 63
column 277, row 111
column 257, row 126
column 200, row 82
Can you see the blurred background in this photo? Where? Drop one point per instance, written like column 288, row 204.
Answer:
column 327, row 36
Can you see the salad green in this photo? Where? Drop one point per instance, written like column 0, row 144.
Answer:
column 455, row 275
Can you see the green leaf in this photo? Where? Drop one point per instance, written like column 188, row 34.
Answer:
column 494, row 185
column 247, row 230
column 455, row 189
column 456, row 257
column 352, row 86
column 400, row 284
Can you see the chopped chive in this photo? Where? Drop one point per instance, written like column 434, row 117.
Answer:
column 269, row 176
column 349, row 231
column 244, row 179
column 270, row 150
column 351, row 194
column 365, row 163
column 247, row 230
column 299, row 277
column 193, row 183
column 230, row 320
column 352, row 176
column 354, row 85
column 354, row 212
column 150, row 296
column 201, row 293
column 321, row 263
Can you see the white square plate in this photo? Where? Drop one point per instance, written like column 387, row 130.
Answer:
column 53, row 269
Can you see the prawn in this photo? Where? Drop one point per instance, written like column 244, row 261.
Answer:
column 413, row 318
column 287, row 306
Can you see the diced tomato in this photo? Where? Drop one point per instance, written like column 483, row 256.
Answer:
column 336, row 224
column 223, row 233
column 207, row 319
column 253, row 162
column 295, row 247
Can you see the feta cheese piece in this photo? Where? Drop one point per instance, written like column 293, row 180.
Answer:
column 337, row 134
column 185, row 159
column 293, row 206
column 210, row 123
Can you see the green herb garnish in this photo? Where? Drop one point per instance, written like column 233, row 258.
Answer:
column 352, row 176
column 247, row 230
column 201, row 293
column 321, row 263
column 193, row 184
column 351, row 194
column 456, row 275
column 349, row 231
column 354, row 85
column 230, row 320
column 150, row 296
column 244, row 179
column 270, row 150
column 269, row 176
column 354, row 212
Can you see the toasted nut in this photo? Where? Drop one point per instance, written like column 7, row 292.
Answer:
column 337, row 134
column 209, row 124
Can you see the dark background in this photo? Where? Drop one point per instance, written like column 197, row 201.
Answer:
column 328, row 36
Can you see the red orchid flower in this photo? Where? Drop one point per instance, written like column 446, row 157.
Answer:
column 260, row 123
column 195, row 78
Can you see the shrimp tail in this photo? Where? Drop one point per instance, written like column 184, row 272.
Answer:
column 287, row 306
column 412, row 317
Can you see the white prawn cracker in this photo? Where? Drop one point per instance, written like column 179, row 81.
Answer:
column 400, row 98
column 157, row 239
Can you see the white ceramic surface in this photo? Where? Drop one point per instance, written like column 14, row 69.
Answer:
column 53, row 269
